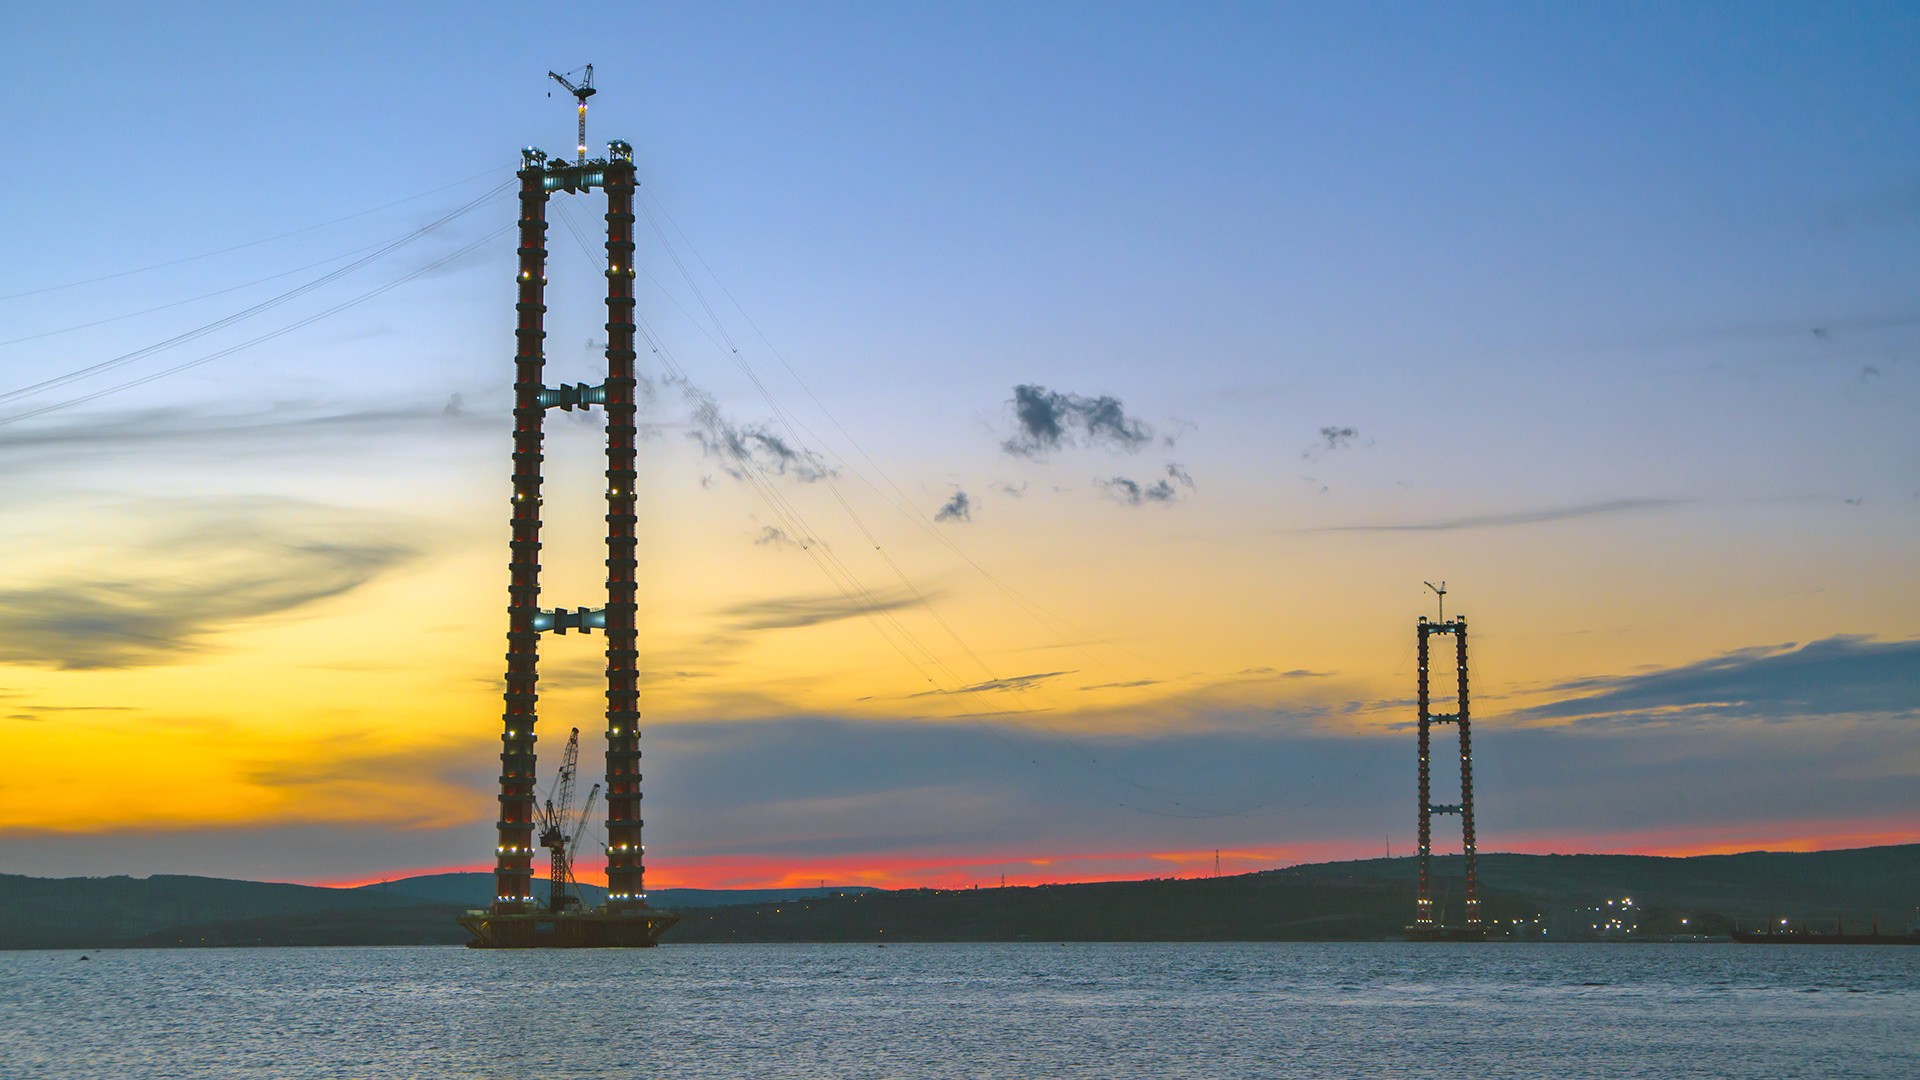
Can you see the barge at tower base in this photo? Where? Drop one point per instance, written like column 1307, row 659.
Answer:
column 597, row 929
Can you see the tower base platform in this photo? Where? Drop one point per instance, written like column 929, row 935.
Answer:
column 628, row 928
column 1432, row 932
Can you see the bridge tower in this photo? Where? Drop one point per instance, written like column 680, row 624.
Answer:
column 1425, row 924
column 514, row 919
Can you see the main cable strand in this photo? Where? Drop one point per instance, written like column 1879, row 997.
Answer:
column 263, row 306
column 263, row 338
column 251, row 243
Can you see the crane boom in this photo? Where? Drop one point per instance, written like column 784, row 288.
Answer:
column 580, row 830
column 556, row 821
column 581, row 91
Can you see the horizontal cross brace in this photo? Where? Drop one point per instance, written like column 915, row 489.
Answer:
column 1443, row 809
column 566, row 177
column 560, row 620
column 567, row 395
column 1444, row 717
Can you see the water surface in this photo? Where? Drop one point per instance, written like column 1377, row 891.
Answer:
column 1093, row 1010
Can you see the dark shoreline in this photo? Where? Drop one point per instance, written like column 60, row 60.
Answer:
column 1549, row 898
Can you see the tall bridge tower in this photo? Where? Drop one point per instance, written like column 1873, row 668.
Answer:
column 1425, row 924
column 515, row 919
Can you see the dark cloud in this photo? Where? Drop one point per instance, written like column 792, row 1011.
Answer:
column 1525, row 517
column 958, row 508
column 1121, row 490
column 787, row 786
column 1011, row 491
column 215, row 568
column 1046, row 420
column 1016, row 682
column 773, row 536
column 1836, row 676
column 1167, row 489
column 1331, row 440
column 789, row 612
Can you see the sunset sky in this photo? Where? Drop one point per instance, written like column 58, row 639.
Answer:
column 1114, row 375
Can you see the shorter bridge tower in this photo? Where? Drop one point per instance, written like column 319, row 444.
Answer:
column 1427, row 925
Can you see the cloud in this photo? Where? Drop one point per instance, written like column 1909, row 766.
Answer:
column 1524, row 517
column 773, row 536
column 1842, row 675
column 1331, row 440
column 958, row 508
column 791, row 612
column 217, row 567
column 744, row 449
column 1132, row 493
column 285, row 427
column 782, row 789
column 1045, row 421
column 1011, row 491
column 1015, row 682
column 1124, row 685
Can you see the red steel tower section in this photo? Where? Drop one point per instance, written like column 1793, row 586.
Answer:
column 515, row 920
column 1425, row 924
column 513, row 857
column 626, row 875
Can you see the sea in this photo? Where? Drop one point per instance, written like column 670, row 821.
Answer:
column 968, row 1010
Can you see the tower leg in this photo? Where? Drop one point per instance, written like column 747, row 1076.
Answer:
column 626, row 877
column 1423, row 904
column 513, row 857
column 1466, row 779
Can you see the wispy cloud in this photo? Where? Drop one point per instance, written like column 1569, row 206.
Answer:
column 1016, row 682
column 1124, row 685
column 790, row 612
column 1331, row 439
column 216, row 566
column 1167, row 489
column 1045, row 420
column 742, row 449
column 291, row 426
column 1523, row 517
column 774, row 536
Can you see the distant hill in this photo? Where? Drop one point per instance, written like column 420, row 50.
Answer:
column 72, row 913
column 1362, row 900
column 1858, row 883
column 1365, row 900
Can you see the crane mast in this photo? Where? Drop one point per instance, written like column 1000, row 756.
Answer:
column 557, row 833
column 581, row 91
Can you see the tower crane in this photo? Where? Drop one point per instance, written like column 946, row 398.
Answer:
column 581, row 91
column 559, row 833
